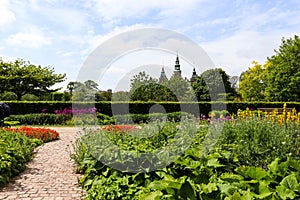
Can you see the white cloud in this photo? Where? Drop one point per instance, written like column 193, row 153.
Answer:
column 113, row 11
column 7, row 16
column 33, row 38
column 235, row 53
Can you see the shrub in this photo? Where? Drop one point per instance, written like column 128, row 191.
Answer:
column 145, row 118
column 15, row 150
column 40, row 119
column 8, row 96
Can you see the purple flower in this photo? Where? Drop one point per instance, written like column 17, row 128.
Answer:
column 44, row 110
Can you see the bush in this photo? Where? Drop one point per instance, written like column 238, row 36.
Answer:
column 105, row 119
column 15, row 151
column 8, row 96
column 146, row 118
column 29, row 97
column 218, row 113
column 40, row 119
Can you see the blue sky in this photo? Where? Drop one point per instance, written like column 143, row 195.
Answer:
column 63, row 33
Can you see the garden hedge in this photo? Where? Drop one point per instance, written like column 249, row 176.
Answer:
column 114, row 108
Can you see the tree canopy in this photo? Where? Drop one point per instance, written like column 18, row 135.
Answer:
column 253, row 83
column 213, row 84
column 22, row 78
column 283, row 73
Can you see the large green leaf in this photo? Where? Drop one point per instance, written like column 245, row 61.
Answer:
column 153, row 195
column 290, row 182
column 285, row 193
column 252, row 172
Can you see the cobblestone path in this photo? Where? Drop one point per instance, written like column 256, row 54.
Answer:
column 50, row 175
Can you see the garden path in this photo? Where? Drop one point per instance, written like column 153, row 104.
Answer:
column 51, row 173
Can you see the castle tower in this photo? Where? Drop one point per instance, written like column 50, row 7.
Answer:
column 194, row 77
column 177, row 71
column 163, row 77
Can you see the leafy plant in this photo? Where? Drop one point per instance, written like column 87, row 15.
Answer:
column 15, row 150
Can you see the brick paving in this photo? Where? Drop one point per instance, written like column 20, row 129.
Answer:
column 50, row 175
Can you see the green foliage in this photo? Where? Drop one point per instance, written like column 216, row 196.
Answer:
column 212, row 84
column 40, row 119
column 8, row 96
column 152, row 117
column 218, row 113
column 283, row 74
column 253, row 83
column 145, row 88
column 243, row 164
column 83, row 91
column 176, row 89
column 15, row 151
column 105, row 107
column 23, row 78
column 105, row 119
column 257, row 143
column 29, row 97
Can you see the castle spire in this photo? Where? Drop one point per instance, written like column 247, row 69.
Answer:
column 163, row 77
column 177, row 71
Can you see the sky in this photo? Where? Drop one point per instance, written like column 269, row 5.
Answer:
column 65, row 33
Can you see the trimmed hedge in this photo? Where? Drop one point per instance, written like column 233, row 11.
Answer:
column 39, row 119
column 116, row 108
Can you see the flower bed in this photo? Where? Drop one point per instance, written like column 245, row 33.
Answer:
column 15, row 151
column 44, row 134
column 120, row 128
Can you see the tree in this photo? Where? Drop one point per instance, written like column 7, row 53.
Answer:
column 201, row 90
column 146, row 88
column 120, row 96
column 283, row 72
column 83, row 91
column 23, row 78
column 103, row 96
column 177, row 88
column 253, row 81
column 213, row 84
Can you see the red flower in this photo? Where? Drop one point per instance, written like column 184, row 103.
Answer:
column 120, row 128
column 44, row 134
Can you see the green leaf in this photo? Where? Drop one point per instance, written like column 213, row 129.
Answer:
column 231, row 177
column 295, row 164
column 227, row 189
column 153, row 195
column 252, row 172
column 263, row 190
column 213, row 162
column 285, row 193
column 273, row 167
column 290, row 182
column 187, row 191
column 209, row 188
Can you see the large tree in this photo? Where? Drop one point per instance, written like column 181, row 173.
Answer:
column 22, row 78
column 145, row 88
column 86, row 91
column 213, row 84
column 177, row 87
column 253, row 81
column 283, row 73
